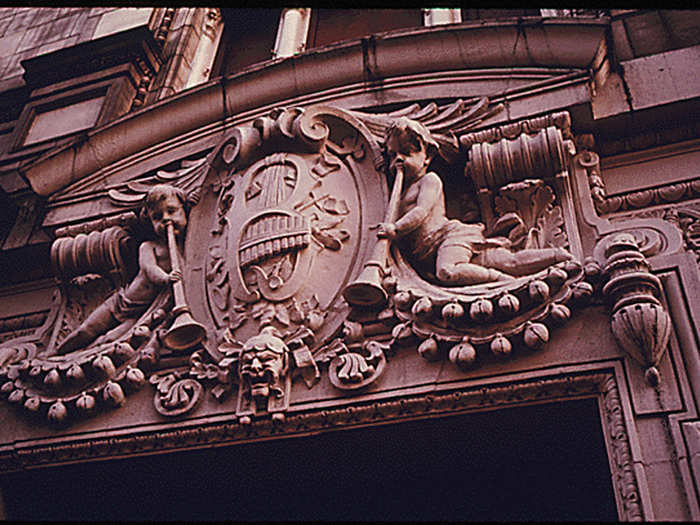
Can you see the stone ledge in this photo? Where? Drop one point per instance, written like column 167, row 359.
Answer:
column 489, row 45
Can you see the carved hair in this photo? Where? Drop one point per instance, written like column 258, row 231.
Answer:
column 158, row 194
column 416, row 132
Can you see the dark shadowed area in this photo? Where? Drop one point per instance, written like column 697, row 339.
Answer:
column 544, row 462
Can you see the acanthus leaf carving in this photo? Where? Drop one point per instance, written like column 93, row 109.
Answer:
column 527, row 213
column 175, row 394
column 358, row 366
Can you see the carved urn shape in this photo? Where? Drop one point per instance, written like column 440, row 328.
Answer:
column 640, row 324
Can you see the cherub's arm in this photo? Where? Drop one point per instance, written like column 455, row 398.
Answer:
column 149, row 266
column 429, row 192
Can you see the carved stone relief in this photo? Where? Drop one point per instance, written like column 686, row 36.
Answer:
column 639, row 321
column 633, row 200
column 599, row 384
column 105, row 339
column 283, row 254
column 688, row 221
column 510, row 287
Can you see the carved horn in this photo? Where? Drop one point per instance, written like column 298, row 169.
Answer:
column 185, row 332
column 367, row 289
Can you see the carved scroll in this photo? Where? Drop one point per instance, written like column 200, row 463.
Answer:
column 542, row 155
column 108, row 252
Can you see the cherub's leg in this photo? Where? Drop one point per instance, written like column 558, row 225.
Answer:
column 453, row 266
column 525, row 262
column 97, row 323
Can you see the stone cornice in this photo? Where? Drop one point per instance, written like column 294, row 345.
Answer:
column 512, row 43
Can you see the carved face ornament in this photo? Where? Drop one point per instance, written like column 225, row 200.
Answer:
column 264, row 363
column 407, row 153
column 169, row 210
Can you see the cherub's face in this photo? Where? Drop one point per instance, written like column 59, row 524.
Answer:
column 406, row 153
column 168, row 210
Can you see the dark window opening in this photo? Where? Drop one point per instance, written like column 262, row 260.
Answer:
column 481, row 14
column 248, row 38
column 334, row 25
column 543, row 462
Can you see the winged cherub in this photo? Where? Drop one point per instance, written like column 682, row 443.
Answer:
column 164, row 204
column 462, row 253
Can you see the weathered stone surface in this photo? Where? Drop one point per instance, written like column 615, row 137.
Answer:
column 663, row 78
column 121, row 20
column 464, row 231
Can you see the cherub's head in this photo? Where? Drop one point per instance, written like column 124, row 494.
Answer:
column 410, row 144
column 165, row 204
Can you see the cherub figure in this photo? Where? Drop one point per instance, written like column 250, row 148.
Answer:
column 463, row 255
column 163, row 205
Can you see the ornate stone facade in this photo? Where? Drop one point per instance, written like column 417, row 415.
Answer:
column 328, row 259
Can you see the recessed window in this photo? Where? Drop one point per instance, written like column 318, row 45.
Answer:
column 334, row 25
column 480, row 14
column 64, row 120
column 249, row 37
column 536, row 463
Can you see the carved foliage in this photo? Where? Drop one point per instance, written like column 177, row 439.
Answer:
column 355, row 365
column 688, row 221
column 175, row 394
column 528, row 211
column 623, row 472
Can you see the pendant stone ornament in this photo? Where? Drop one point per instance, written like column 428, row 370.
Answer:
column 640, row 324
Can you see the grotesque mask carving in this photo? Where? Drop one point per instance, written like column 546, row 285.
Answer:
column 263, row 365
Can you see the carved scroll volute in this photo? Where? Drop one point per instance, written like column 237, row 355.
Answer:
column 531, row 149
column 101, row 247
column 640, row 324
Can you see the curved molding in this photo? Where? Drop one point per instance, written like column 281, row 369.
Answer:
column 371, row 60
column 655, row 236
